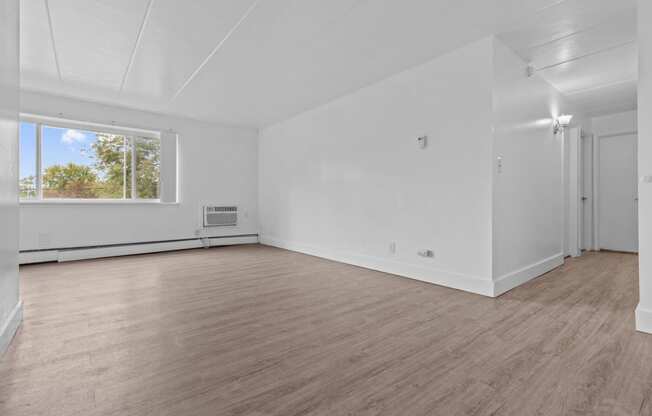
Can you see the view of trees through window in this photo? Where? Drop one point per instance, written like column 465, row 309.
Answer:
column 28, row 166
column 84, row 164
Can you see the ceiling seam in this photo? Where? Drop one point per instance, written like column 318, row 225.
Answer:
column 513, row 23
column 570, row 35
column 577, row 58
column 549, row 6
column 141, row 30
column 54, row 44
column 597, row 87
column 215, row 50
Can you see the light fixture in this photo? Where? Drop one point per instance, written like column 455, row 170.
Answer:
column 562, row 122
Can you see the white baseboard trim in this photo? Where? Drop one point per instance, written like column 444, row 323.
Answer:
column 453, row 280
column 128, row 249
column 511, row 280
column 643, row 320
column 10, row 326
column 30, row 257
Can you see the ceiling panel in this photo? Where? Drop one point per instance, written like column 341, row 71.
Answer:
column 94, row 39
column 606, row 100
column 313, row 51
column 269, row 52
column 176, row 38
column 258, row 61
column 586, row 49
column 563, row 19
column 606, row 68
column 37, row 60
column 615, row 32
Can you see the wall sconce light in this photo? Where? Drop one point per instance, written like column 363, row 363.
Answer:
column 561, row 123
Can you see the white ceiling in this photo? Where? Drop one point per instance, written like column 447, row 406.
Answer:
column 254, row 62
column 587, row 49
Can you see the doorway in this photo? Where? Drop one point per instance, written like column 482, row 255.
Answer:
column 617, row 188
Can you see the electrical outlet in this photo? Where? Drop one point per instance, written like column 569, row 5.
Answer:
column 499, row 164
column 426, row 253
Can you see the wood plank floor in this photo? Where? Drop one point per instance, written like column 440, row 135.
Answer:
column 254, row 330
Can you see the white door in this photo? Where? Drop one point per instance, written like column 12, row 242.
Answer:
column 618, row 194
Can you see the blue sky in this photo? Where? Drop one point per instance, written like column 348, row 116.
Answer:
column 59, row 146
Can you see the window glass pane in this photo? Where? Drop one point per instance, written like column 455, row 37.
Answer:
column 84, row 164
column 148, row 153
column 112, row 156
column 27, row 160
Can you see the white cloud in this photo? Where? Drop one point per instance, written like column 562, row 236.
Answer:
column 72, row 136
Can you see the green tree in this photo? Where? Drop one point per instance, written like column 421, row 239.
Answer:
column 113, row 163
column 69, row 181
column 110, row 175
column 27, row 187
column 148, row 152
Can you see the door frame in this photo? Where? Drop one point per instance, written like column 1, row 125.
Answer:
column 587, row 197
column 573, row 204
column 596, row 181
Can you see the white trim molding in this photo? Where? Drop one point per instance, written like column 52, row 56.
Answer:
column 10, row 327
column 643, row 320
column 84, row 253
column 516, row 278
column 473, row 284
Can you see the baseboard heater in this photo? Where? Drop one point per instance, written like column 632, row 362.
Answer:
column 127, row 249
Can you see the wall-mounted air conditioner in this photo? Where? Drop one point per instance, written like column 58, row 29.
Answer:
column 220, row 216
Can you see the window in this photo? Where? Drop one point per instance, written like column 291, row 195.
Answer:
column 28, row 165
column 60, row 161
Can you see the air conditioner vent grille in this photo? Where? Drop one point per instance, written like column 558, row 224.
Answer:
column 222, row 209
column 215, row 216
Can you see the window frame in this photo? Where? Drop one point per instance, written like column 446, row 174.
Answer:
column 55, row 122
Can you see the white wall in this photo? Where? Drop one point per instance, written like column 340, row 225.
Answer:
column 217, row 164
column 10, row 310
column 527, row 195
column 644, row 310
column 345, row 180
column 618, row 123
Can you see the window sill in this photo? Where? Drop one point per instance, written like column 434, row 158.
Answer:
column 130, row 202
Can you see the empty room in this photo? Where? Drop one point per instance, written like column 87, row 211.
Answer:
column 325, row 207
